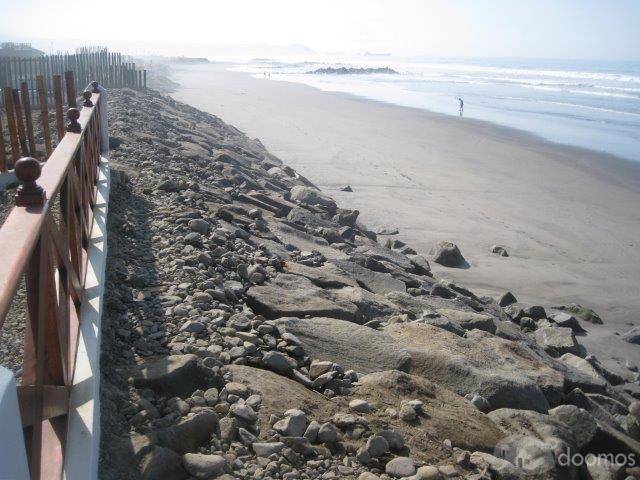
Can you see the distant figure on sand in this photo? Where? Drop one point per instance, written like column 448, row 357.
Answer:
column 461, row 105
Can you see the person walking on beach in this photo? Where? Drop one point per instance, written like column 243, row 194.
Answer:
column 461, row 105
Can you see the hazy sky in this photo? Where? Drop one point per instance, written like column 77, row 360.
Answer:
column 590, row 29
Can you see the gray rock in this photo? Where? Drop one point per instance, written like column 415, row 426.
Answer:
column 318, row 367
column 499, row 250
column 240, row 321
column 448, row 254
column 557, row 340
column 470, row 320
column 188, row 434
column 293, row 424
column 353, row 346
column 267, row 449
column 499, row 467
column 228, row 429
column 328, row 433
column 632, row 336
column 192, row 326
column 174, row 375
column 579, row 421
column 507, row 299
column 279, row 362
column 161, row 464
column 326, row 276
column 563, row 319
column 294, row 296
column 481, row 403
column 312, row 196
column 377, row 446
column 359, row 406
column 244, row 412
column 375, row 282
column 203, row 466
column 394, row 438
column 200, row 226
column 311, row 433
column 400, row 467
column 505, row 373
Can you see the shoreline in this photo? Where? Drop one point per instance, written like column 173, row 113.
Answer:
column 628, row 164
column 492, row 185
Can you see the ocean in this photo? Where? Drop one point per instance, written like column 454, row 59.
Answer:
column 592, row 104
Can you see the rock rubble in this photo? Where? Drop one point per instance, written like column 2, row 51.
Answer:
column 256, row 330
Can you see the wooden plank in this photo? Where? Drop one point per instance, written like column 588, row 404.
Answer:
column 44, row 115
column 11, row 125
column 28, row 118
column 55, row 402
column 71, row 89
column 22, row 134
column 57, row 95
column 3, row 153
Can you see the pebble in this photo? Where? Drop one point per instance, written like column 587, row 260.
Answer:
column 400, row 467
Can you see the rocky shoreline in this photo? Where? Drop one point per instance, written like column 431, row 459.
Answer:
column 254, row 329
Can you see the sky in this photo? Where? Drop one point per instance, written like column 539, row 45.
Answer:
column 570, row 29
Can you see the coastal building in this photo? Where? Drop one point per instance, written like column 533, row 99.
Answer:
column 22, row 50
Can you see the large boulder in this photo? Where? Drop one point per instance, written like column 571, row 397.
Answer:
column 580, row 422
column 380, row 253
column 632, row 336
column 448, row 254
column 536, row 441
column 160, row 463
column 507, row 374
column 581, row 365
column 313, row 196
column 326, row 276
column 174, row 375
column 295, row 296
column 280, row 394
column 375, row 282
column 557, row 340
column 469, row 320
column 355, row 347
column 583, row 313
column 444, row 414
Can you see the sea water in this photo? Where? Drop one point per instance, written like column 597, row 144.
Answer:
column 592, row 104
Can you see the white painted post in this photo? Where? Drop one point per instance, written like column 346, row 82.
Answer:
column 13, row 456
column 104, row 123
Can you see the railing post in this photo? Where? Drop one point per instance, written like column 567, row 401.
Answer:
column 104, row 122
column 29, row 194
column 13, row 457
column 73, row 114
column 87, row 99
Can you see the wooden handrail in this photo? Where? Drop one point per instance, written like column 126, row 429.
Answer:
column 48, row 247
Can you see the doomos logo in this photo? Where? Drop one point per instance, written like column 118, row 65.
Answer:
column 529, row 454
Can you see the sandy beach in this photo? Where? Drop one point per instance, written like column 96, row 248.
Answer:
column 564, row 214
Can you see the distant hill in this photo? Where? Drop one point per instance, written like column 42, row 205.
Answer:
column 188, row 60
column 353, row 71
column 22, row 50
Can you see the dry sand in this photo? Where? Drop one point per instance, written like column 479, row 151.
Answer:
column 569, row 217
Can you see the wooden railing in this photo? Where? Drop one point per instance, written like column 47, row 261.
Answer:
column 44, row 240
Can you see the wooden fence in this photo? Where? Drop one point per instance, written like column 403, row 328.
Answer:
column 112, row 68
column 35, row 90
column 44, row 241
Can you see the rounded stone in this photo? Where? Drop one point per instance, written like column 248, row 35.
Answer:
column 400, row 467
